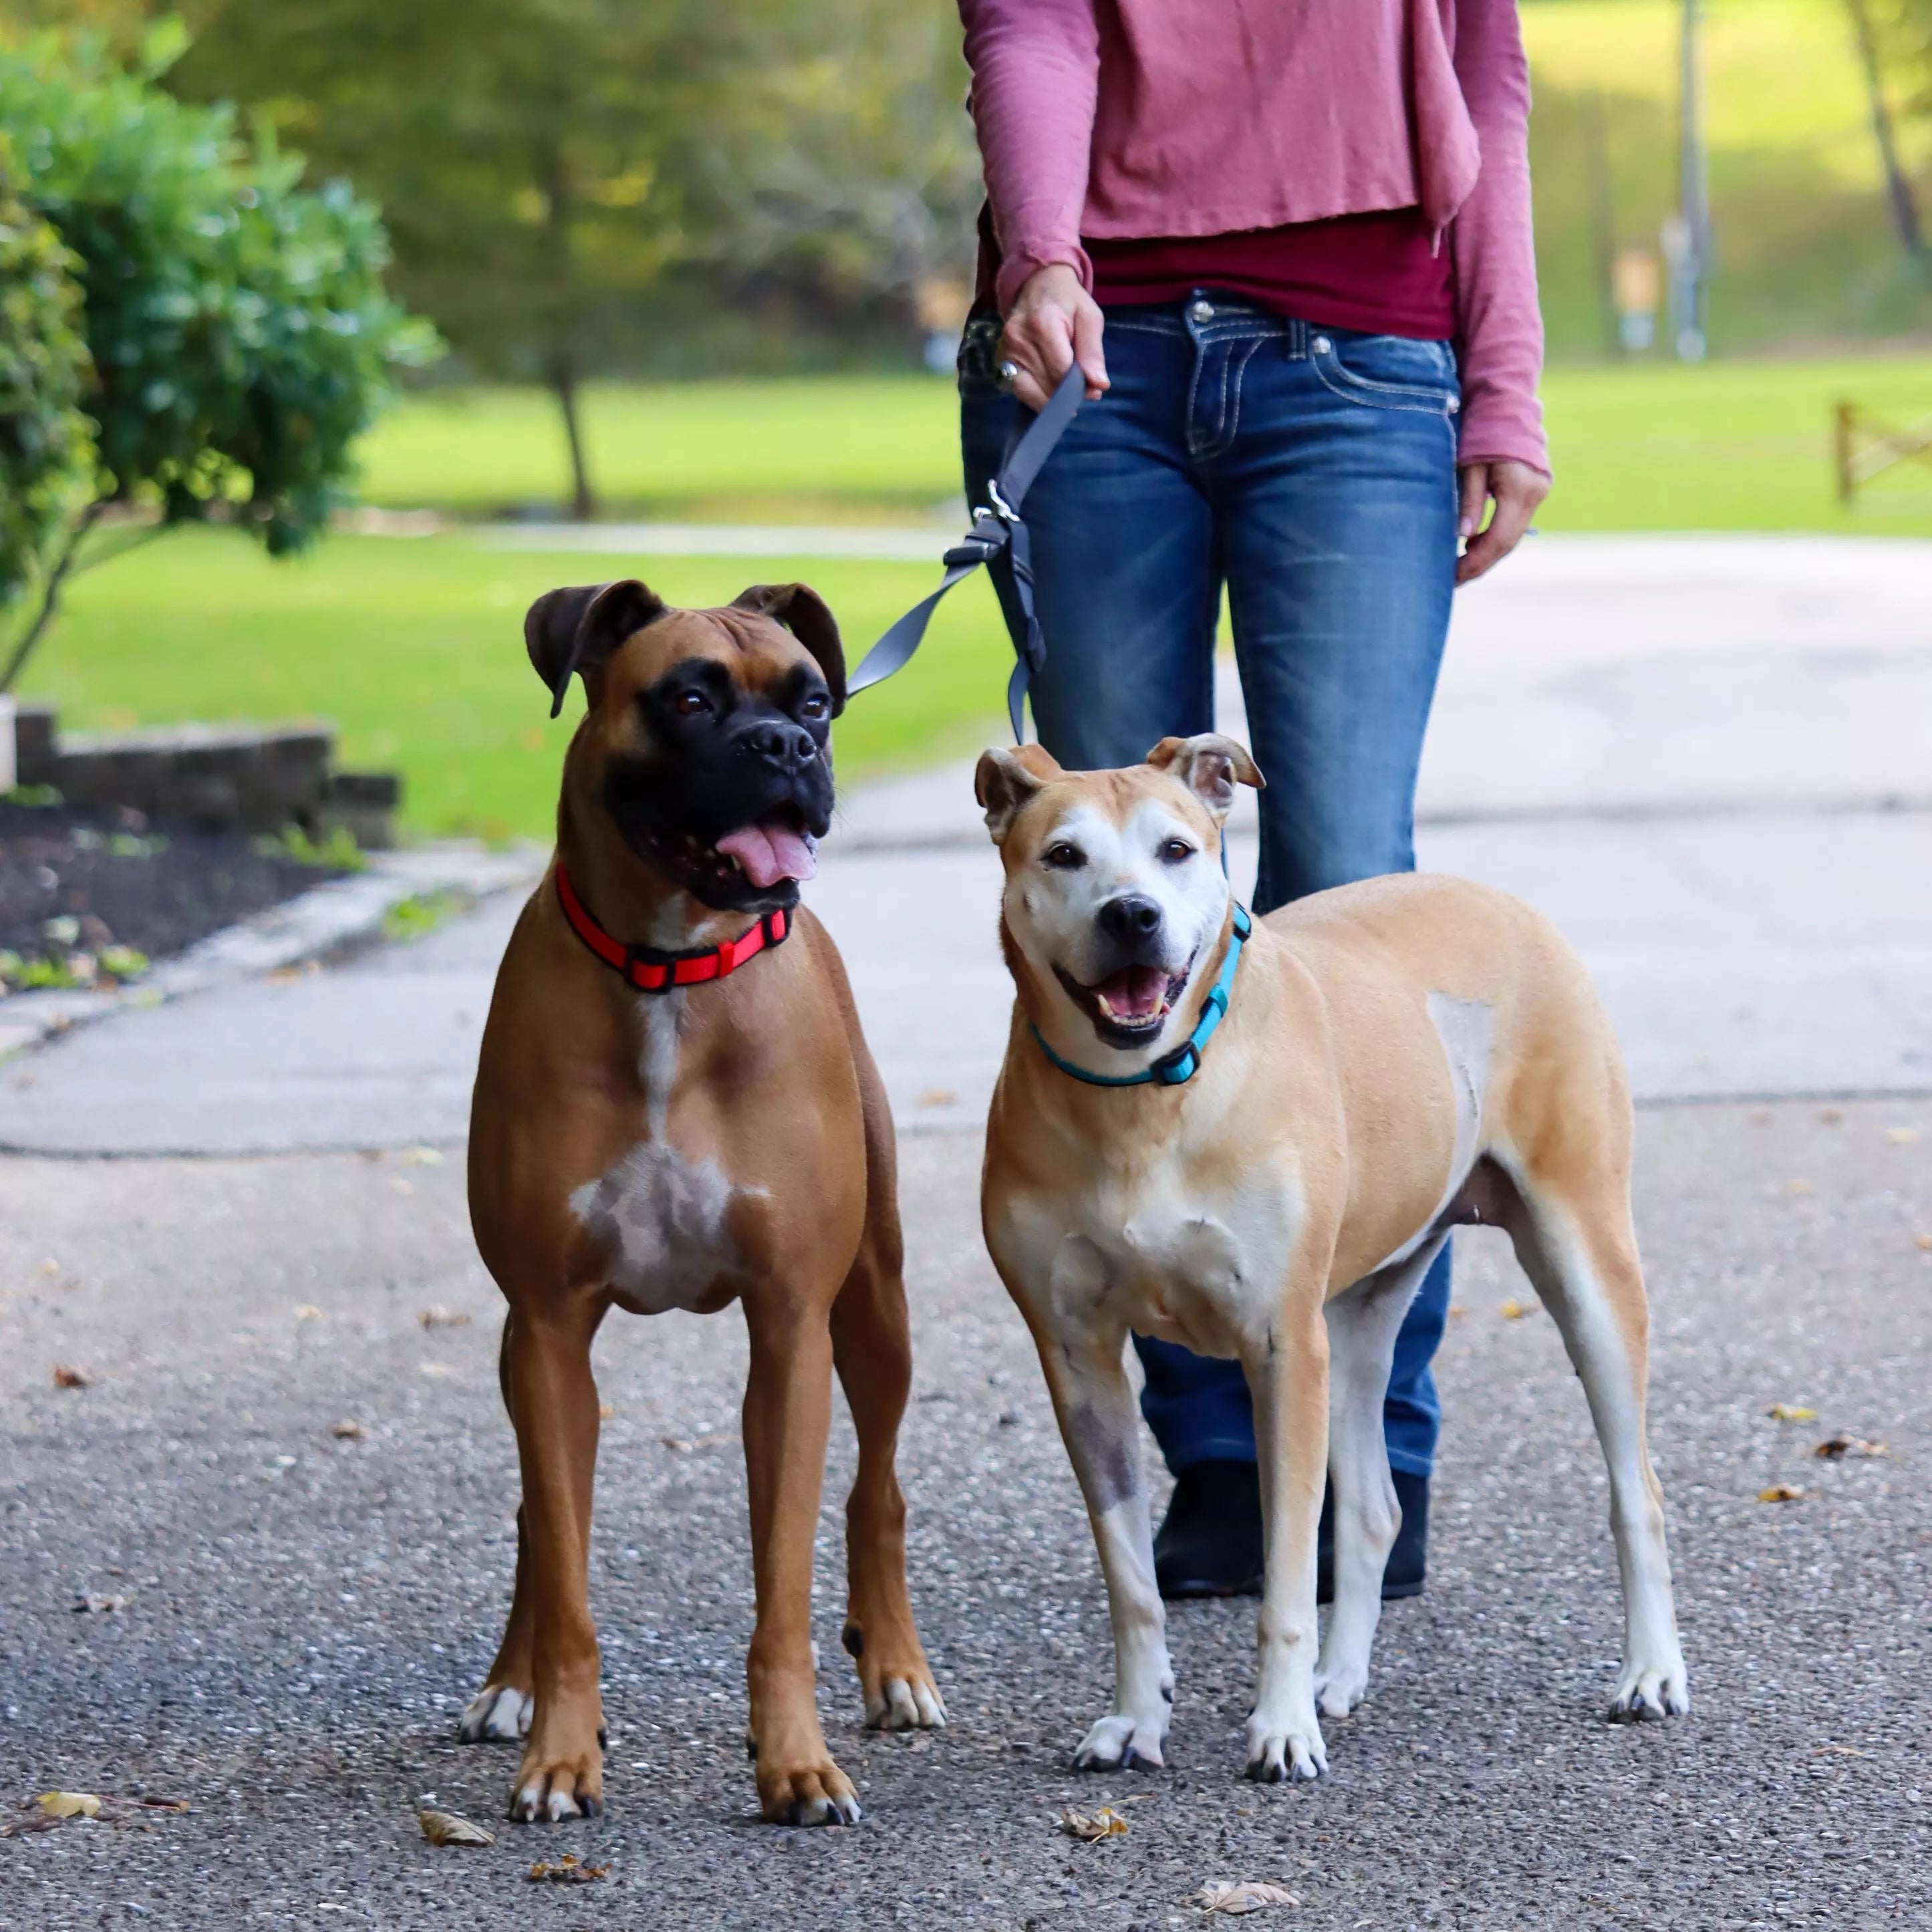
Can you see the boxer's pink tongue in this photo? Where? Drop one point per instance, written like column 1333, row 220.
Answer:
column 770, row 850
column 1135, row 993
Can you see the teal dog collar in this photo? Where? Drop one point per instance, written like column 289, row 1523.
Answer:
column 1174, row 1068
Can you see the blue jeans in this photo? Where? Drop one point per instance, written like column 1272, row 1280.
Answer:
column 1312, row 471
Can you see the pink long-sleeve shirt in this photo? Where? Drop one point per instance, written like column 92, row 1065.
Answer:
column 1130, row 118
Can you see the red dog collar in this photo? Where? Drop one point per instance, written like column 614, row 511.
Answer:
column 651, row 971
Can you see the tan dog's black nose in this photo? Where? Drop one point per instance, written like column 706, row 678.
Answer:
column 1132, row 916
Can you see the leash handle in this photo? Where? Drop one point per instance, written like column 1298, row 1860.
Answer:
column 996, row 528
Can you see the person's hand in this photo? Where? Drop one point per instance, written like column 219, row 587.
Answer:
column 1053, row 323
column 1517, row 490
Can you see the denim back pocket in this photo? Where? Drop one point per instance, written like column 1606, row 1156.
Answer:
column 1386, row 372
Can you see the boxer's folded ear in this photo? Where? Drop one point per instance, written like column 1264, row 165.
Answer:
column 1005, row 780
column 578, row 627
column 1209, row 766
column 804, row 614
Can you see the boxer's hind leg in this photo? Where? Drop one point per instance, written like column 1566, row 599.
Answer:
column 1572, row 1234
column 787, row 1418
column 501, row 1710
column 1363, row 1325
column 871, row 1346
column 553, row 1404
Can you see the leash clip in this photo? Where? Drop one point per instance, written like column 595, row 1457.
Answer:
column 1001, row 508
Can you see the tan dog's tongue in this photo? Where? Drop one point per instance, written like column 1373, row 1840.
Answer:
column 770, row 850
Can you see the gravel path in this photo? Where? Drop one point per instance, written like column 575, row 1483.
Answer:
column 305, row 1613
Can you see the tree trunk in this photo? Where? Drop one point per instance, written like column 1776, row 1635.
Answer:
column 1897, row 184
column 49, row 597
column 563, row 384
column 553, row 173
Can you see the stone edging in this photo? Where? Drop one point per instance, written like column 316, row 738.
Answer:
column 315, row 923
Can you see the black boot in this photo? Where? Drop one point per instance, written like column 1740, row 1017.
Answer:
column 1407, row 1560
column 1210, row 1543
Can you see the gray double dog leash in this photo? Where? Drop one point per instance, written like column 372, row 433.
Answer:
column 997, row 527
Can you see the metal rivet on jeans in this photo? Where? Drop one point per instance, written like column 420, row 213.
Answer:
column 1454, row 404
column 1200, row 311
column 1322, row 346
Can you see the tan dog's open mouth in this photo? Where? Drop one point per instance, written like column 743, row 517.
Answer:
column 1130, row 1007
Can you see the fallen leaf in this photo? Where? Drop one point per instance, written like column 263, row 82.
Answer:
column 70, row 1803
column 1904, row 1136
column 1781, row 1492
column 1759, row 1117
column 50, row 1267
column 1456, row 1310
column 307, row 1311
column 349, row 1430
column 1798, row 1187
column 403, row 1186
column 446, row 1828
column 437, row 1316
column 434, row 1368
column 1091, row 1826
column 683, row 1445
column 1833, row 1447
column 70, row 1375
column 568, row 1870
column 1923, row 1243
column 421, row 1156
column 1514, row 1311
column 1838, row 1750
column 1250, row 1894
column 938, row 1096
column 1791, row 1411
column 1831, row 1116
column 605, row 1410
column 100, row 1607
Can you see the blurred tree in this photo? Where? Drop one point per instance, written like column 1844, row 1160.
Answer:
column 541, row 161
column 46, row 444
column 241, row 335
column 1904, row 31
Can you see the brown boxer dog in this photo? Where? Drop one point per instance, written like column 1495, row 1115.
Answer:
column 676, row 1109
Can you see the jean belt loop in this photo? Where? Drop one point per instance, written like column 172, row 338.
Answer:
column 1297, row 340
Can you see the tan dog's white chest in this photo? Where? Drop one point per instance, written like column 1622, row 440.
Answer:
column 1204, row 1269
column 663, row 1220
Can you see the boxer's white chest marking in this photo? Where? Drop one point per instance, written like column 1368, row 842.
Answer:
column 663, row 1221
column 1467, row 1029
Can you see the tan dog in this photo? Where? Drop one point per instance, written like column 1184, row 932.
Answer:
column 1396, row 1058
column 723, row 1138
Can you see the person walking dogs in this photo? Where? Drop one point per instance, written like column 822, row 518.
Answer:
column 1289, row 246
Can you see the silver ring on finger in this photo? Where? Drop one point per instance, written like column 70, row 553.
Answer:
column 1008, row 373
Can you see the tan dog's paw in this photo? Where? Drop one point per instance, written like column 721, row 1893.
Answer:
column 1285, row 1748
column 498, row 1713
column 817, row 1794
column 1121, row 1741
column 897, row 1684
column 552, row 1784
column 1656, row 1690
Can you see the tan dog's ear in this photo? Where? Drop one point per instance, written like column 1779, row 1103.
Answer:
column 577, row 629
column 804, row 614
column 1209, row 766
column 1004, row 781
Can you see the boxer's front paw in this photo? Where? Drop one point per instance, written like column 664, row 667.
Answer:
column 1123, row 1741
column 562, row 1775
column 498, row 1713
column 1285, row 1748
column 1339, row 1687
column 817, row 1793
column 1658, row 1688
column 895, row 1678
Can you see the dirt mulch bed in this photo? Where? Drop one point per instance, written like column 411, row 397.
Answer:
column 106, row 880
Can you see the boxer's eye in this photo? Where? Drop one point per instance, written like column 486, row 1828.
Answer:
column 1063, row 857
column 815, row 707
column 689, row 703
column 1175, row 851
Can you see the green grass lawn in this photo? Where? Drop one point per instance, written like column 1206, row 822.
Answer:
column 1742, row 445
column 414, row 648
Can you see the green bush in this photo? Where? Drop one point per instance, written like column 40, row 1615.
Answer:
column 46, row 449
column 241, row 333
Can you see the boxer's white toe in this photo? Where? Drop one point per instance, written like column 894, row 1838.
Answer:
column 498, row 1713
column 1121, row 1741
column 1648, row 1689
